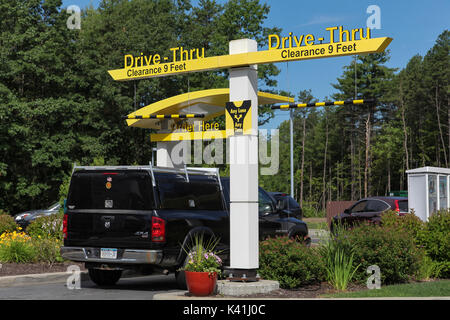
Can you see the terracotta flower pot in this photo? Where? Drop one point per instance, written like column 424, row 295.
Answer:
column 201, row 283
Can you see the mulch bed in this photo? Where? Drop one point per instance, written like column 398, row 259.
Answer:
column 13, row 269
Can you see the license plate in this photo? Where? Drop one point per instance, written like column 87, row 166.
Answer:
column 108, row 253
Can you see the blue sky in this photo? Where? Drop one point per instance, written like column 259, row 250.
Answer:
column 414, row 25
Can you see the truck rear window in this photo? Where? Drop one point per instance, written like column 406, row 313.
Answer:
column 197, row 194
column 120, row 190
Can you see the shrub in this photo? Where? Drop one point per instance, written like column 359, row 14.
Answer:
column 7, row 224
column 16, row 247
column 393, row 251
column 290, row 263
column 19, row 247
column 428, row 269
column 435, row 238
column 47, row 227
column 47, row 250
column 407, row 223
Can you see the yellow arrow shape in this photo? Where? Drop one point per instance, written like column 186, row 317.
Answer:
column 318, row 51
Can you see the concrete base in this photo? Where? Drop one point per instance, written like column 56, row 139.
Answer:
column 225, row 290
column 229, row 288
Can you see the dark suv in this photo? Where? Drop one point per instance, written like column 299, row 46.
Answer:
column 139, row 218
column 288, row 203
column 370, row 209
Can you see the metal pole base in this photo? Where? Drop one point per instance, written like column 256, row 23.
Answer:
column 241, row 275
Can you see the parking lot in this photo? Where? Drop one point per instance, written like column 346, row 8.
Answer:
column 138, row 288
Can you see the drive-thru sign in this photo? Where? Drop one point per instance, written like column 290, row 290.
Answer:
column 281, row 49
column 242, row 108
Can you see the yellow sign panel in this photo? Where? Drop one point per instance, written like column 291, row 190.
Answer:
column 282, row 54
column 238, row 121
column 195, row 135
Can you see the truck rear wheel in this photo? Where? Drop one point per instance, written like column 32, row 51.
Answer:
column 105, row 277
column 180, row 276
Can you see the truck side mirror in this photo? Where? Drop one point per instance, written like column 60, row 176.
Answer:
column 281, row 204
column 266, row 210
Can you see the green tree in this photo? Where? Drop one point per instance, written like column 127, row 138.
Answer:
column 372, row 81
column 58, row 104
column 39, row 110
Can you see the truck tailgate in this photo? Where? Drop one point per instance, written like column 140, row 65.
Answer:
column 110, row 229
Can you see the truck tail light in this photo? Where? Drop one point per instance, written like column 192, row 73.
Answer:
column 65, row 226
column 158, row 229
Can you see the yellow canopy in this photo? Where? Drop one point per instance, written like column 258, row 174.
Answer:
column 209, row 102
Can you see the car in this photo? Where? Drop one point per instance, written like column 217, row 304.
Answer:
column 274, row 220
column 143, row 218
column 370, row 209
column 289, row 204
column 23, row 219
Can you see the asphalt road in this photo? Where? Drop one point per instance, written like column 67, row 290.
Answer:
column 138, row 288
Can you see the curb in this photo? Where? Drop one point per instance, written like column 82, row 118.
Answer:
column 181, row 295
column 40, row 278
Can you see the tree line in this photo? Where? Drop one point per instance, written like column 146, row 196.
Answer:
column 58, row 105
column 351, row 152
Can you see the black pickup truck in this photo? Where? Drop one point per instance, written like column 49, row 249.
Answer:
column 139, row 217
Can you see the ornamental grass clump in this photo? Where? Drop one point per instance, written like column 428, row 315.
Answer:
column 338, row 256
column 340, row 269
column 201, row 256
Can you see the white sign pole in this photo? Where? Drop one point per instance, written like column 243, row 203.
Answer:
column 244, row 246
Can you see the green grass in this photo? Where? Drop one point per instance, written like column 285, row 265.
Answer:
column 318, row 225
column 439, row 288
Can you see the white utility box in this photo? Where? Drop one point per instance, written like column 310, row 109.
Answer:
column 428, row 190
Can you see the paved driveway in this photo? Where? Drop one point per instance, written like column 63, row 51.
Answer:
column 139, row 288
